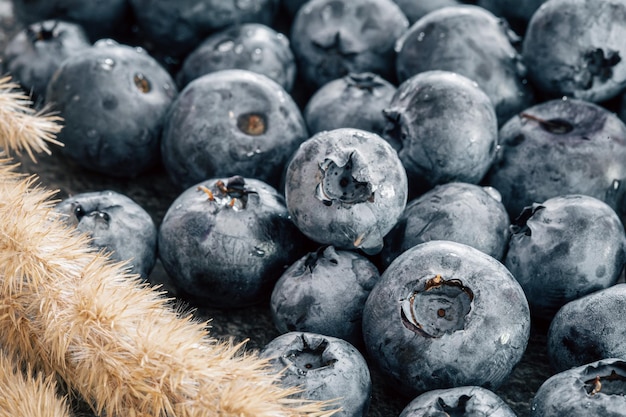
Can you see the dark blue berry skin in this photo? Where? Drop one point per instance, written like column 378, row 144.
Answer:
column 445, row 315
column 332, row 38
column 593, row 389
column 415, row 10
column 249, row 46
column 560, row 147
column 346, row 188
column 564, row 248
column 355, row 100
column 225, row 242
column 175, row 28
column 472, row 42
column 113, row 99
column 231, row 122
column 459, row 212
column 100, row 19
column 444, row 128
column 324, row 292
column 588, row 329
column 116, row 224
column 576, row 48
column 325, row 368
column 37, row 51
column 467, row 401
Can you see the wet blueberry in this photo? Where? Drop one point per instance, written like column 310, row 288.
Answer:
column 467, row 401
column 576, row 48
column 100, row 19
column 116, row 224
column 250, row 46
column 35, row 53
column 355, row 100
column 332, row 38
column 564, row 248
column 113, row 99
column 231, row 122
column 560, row 147
column 472, row 42
column 324, row 292
column 588, row 329
column 175, row 28
column 225, row 242
column 346, row 188
column 444, row 128
column 459, row 212
column 445, row 315
column 594, row 389
column 325, row 368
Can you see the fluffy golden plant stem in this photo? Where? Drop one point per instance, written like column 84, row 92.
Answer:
column 117, row 342
column 28, row 395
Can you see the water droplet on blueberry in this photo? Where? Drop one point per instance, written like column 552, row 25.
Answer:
column 107, row 64
column 225, row 46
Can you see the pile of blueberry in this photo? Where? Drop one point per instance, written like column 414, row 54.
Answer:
column 408, row 185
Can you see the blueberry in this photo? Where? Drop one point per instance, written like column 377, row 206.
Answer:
column 324, row 292
column 249, row 46
column 593, row 389
column 231, row 122
column 588, row 329
column 347, row 188
column 332, row 38
column 325, row 368
column 560, row 147
column 175, row 28
column 415, row 10
column 355, row 100
column 35, row 53
column 459, row 212
column 225, row 242
column 100, row 19
column 564, row 248
column 116, row 224
column 576, row 48
column 445, row 315
column 444, row 128
column 113, row 99
column 470, row 41
column 467, row 401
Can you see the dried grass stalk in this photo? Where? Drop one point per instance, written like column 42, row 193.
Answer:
column 28, row 395
column 21, row 127
column 111, row 338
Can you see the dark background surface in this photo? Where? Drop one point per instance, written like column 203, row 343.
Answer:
column 154, row 192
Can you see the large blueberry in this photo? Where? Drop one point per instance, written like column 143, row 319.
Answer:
column 459, row 212
column 100, row 19
column 445, row 315
column 225, row 242
column 444, row 128
column 576, row 48
column 355, row 100
column 250, row 46
column 473, row 42
column 231, row 122
column 116, row 224
column 35, row 53
column 467, row 401
column 324, row 292
column 113, row 99
column 332, row 38
column 347, row 188
column 593, row 389
column 324, row 368
column 560, row 147
column 564, row 248
column 175, row 28
column 588, row 329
